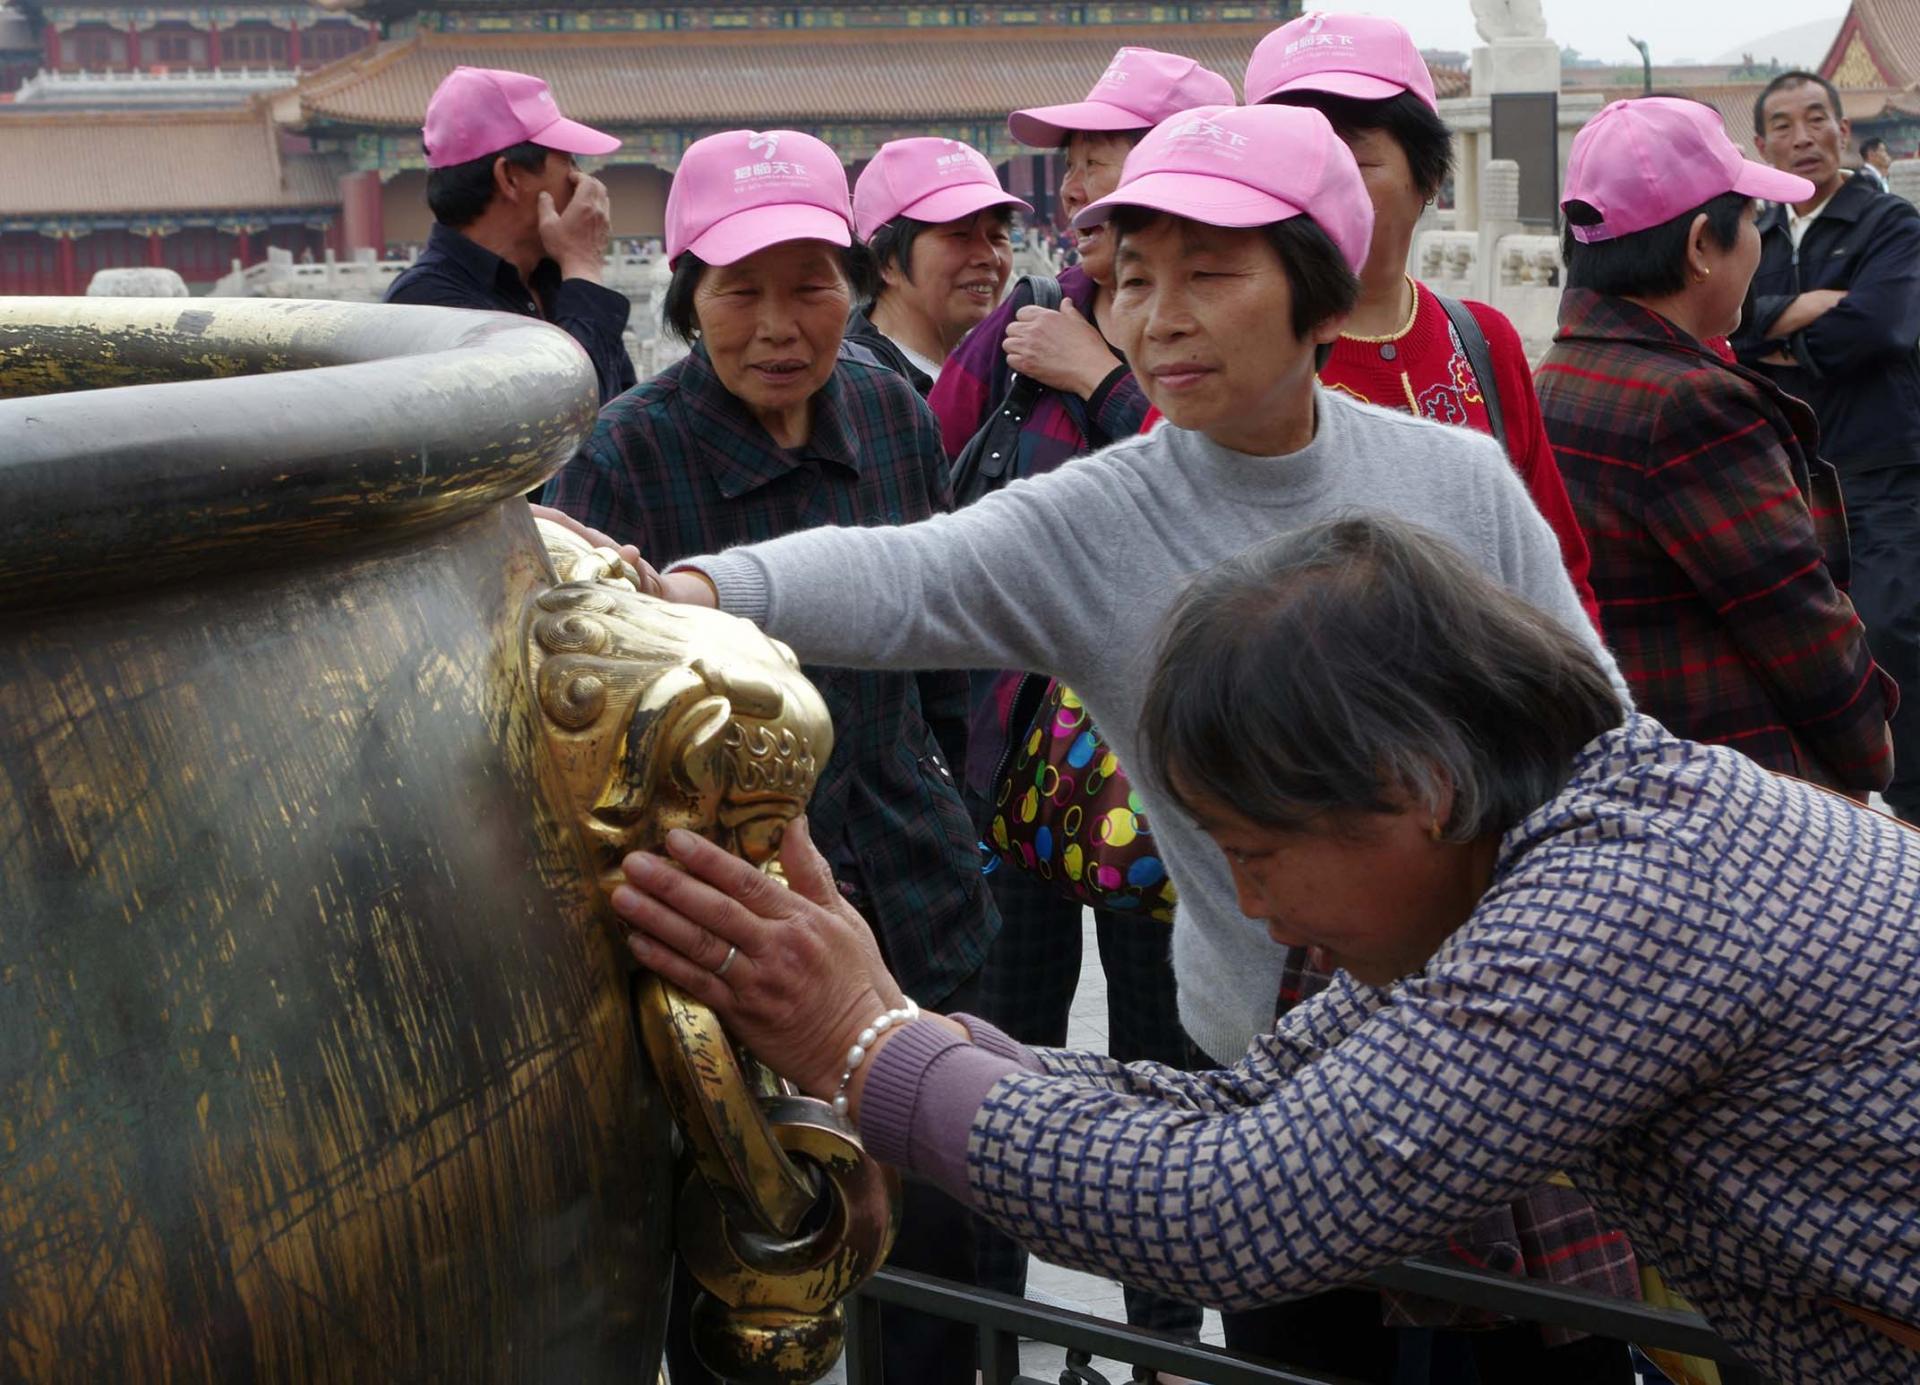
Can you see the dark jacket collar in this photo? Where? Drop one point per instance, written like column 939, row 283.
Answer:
column 737, row 447
column 487, row 269
column 1586, row 316
column 1849, row 203
column 860, row 329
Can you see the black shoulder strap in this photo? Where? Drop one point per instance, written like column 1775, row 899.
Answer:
column 1044, row 290
column 987, row 461
column 1480, row 358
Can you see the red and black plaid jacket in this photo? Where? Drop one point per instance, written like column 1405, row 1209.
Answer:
column 1719, row 545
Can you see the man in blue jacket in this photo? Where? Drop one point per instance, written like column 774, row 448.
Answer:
column 1834, row 317
column 517, row 228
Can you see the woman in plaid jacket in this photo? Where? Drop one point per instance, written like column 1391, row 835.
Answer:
column 1719, row 541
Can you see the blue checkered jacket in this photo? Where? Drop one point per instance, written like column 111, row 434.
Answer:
column 1693, row 985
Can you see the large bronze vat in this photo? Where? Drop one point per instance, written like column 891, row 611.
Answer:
column 318, row 1057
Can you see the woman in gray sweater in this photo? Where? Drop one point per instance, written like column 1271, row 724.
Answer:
column 1224, row 306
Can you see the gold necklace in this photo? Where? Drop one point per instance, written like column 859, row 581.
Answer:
column 1387, row 344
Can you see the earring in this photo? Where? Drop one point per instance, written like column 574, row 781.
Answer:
column 1434, row 831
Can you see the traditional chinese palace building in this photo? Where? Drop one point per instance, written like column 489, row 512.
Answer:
column 153, row 135
column 1875, row 62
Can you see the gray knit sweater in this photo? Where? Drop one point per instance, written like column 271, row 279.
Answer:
column 1070, row 574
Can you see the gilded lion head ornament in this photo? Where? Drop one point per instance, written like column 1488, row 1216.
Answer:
column 660, row 716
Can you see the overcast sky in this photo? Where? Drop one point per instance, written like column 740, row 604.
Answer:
column 1677, row 29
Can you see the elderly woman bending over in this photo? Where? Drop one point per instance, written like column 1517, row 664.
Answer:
column 1567, row 941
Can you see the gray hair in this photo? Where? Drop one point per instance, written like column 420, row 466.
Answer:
column 1359, row 664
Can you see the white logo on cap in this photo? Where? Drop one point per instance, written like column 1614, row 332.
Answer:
column 1301, row 45
column 1209, row 131
column 1115, row 73
column 964, row 155
column 768, row 144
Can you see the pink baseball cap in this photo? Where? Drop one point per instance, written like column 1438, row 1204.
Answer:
column 478, row 111
column 1140, row 88
column 928, row 180
column 740, row 191
column 1247, row 166
column 1643, row 162
column 1353, row 55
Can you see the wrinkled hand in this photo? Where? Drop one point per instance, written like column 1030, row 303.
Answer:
column 1059, row 348
column 1806, row 310
column 808, row 976
column 577, row 238
column 648, row 581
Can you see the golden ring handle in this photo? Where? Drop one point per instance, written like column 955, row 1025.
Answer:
column 734, row 1148
column 845, row 1240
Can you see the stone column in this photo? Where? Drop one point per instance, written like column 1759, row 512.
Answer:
column 1499, row 218
column 1466, row 180
column 361, row 213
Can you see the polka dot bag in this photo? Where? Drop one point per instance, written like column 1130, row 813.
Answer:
column 1064, row 811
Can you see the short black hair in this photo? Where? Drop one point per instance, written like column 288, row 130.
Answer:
column 1868, row 145
column 893, row 242
column 1793, row 79
column 1317, row 275
column 676, row 305
column 1410, row 122
column 1355, row 664
column 1646, row 264
column 458, row 194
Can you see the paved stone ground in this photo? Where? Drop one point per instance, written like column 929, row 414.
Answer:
column 1086, row 1028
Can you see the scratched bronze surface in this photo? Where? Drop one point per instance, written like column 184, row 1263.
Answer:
column 316, row 1055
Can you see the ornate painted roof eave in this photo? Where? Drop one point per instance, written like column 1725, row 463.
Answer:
column 1878, row 45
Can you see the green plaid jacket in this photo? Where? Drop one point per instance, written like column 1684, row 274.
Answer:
column 679, row 467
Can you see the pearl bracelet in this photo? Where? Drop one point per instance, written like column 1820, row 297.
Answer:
column 870, row 1036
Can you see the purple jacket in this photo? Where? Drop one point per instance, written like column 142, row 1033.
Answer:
column 1061, row 427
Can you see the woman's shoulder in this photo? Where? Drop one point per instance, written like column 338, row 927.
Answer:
column 1696, row 823
column 1636, row 787
column 651, row 405
column 1503, row 338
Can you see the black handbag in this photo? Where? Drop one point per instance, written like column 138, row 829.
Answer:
column 985, row 463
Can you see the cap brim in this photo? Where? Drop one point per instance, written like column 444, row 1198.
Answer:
column 950, row 204
column 753, row 229
column 1353, row 84
column 1047, row 127
column 1195, row 196
column 571, row 137
column 1773, row 184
